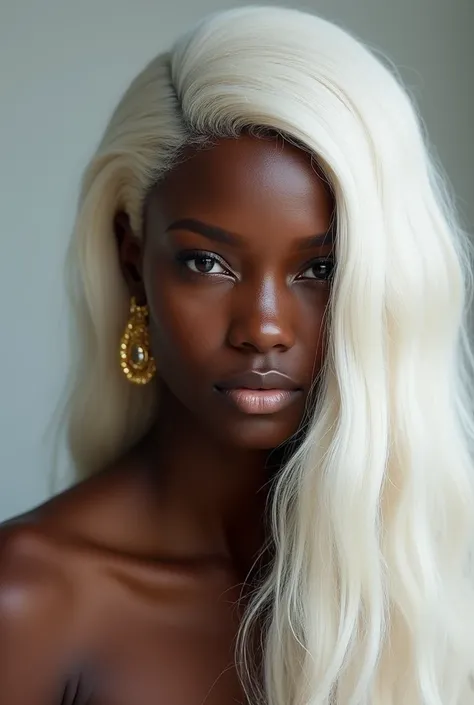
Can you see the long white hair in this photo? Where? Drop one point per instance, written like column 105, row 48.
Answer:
column 370, row 598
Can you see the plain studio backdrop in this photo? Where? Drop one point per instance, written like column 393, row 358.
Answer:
column 63, row 67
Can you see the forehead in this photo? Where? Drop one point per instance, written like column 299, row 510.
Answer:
column 245, row 184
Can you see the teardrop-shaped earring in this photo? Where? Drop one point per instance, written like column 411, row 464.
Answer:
column 136, row 361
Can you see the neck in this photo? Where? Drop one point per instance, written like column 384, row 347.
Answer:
column 216, row 494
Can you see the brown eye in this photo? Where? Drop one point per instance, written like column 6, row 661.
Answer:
column 320, row 270
column 202, row 263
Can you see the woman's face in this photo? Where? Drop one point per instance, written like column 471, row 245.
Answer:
column 236, row 261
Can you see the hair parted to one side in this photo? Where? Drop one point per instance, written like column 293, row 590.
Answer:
column 370, row 600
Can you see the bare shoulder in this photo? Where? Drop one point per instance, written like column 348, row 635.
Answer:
column 32, row 567
column 59, row 592
column 35, row 584
column 46, row 554
column 36, row 610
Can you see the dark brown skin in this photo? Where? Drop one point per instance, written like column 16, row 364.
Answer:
column 124, row 590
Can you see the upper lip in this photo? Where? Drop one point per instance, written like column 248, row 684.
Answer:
column 259, row 380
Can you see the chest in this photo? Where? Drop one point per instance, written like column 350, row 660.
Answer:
column 171, row 652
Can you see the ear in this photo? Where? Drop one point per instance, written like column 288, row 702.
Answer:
column 130, row 252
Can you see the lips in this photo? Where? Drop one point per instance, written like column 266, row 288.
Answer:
column 260, row 392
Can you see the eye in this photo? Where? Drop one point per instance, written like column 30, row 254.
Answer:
column 319, row 270
column 203, row 263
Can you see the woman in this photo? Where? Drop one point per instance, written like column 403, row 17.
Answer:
column 274, row 390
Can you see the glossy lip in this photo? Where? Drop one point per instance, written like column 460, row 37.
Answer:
column 260, row 392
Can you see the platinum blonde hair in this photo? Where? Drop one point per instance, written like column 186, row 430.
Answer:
column 370, row 598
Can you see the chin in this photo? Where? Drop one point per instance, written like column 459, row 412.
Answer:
column 256, row 434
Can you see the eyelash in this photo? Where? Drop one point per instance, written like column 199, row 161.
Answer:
column 188, row 256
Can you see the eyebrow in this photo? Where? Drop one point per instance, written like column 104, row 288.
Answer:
column 213, row 232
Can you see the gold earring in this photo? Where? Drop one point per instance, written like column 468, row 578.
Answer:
column 136, row 361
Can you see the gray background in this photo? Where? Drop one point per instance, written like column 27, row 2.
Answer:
column 63, row 66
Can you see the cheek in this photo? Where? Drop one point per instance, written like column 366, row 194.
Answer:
column 185, row 324
column 313, row 322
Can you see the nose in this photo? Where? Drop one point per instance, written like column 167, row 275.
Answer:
column 263, row 318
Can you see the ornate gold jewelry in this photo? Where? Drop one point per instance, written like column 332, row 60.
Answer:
column 136, row 362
